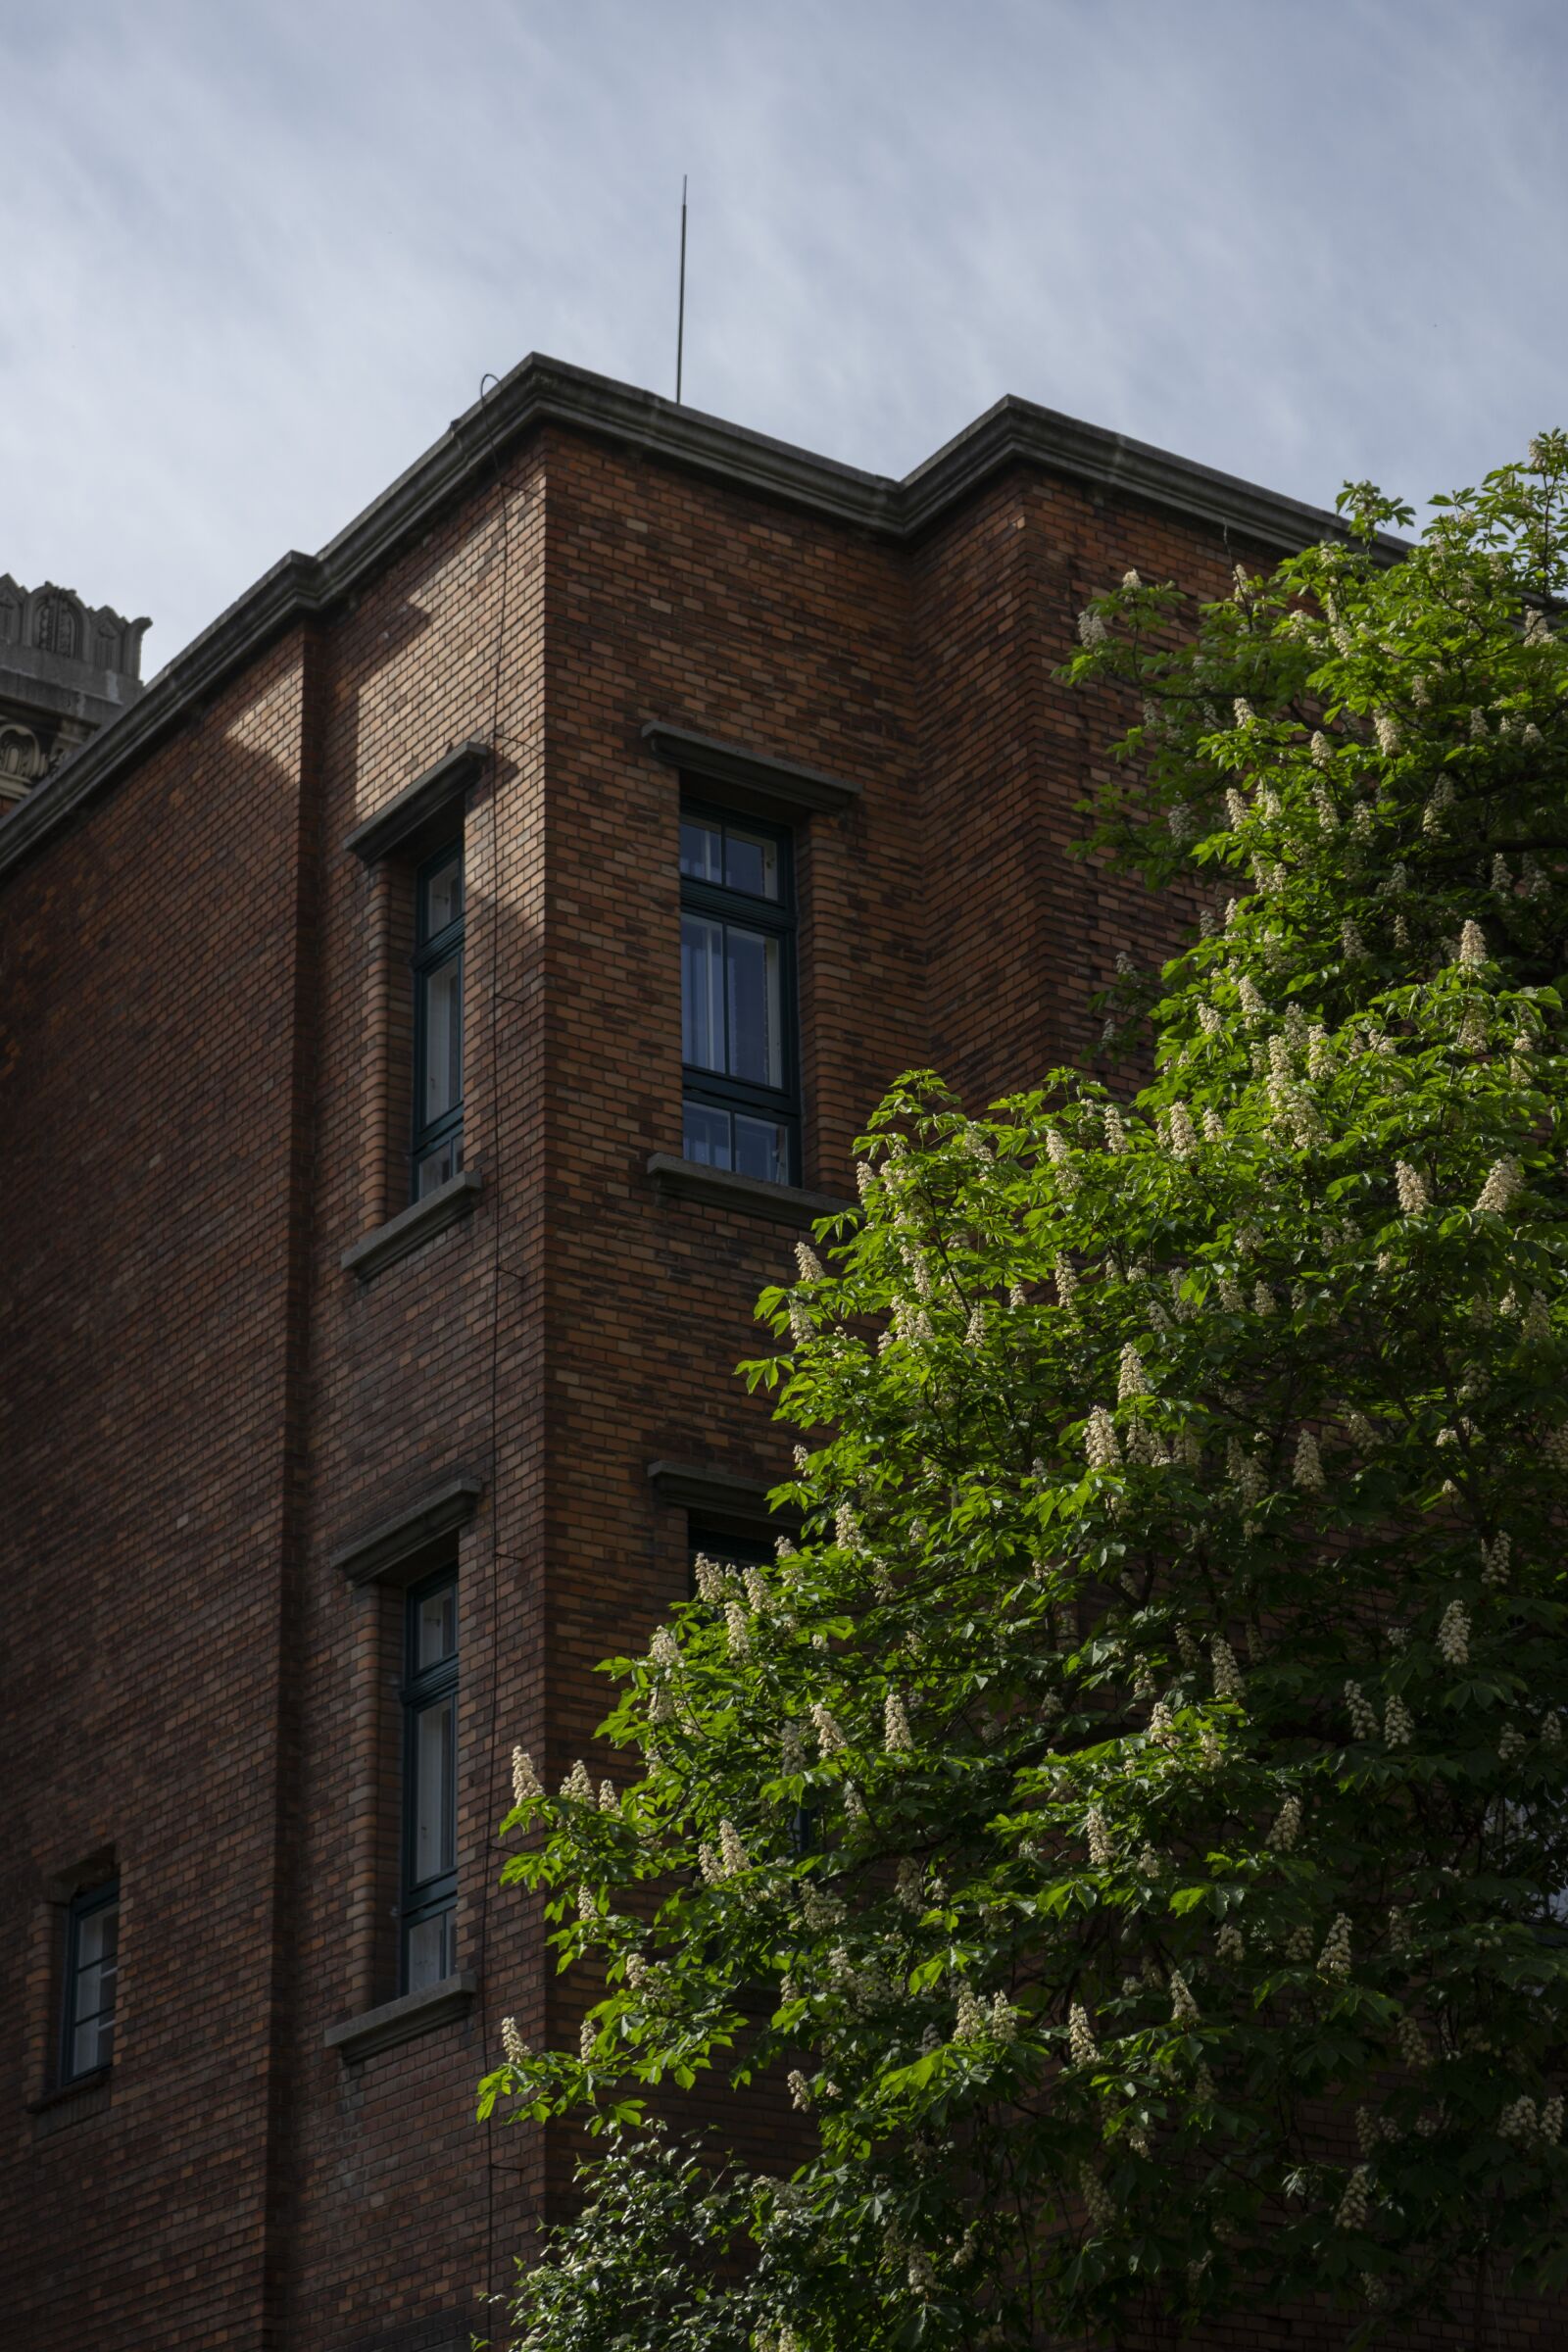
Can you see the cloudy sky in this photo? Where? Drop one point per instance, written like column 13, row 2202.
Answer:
column 257, row 253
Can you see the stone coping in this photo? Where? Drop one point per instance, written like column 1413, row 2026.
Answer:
column 541, row 391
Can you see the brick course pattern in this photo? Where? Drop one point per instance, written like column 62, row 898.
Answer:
column 204, row 1041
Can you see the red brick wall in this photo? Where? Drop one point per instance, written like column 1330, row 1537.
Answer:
column 203, row 1099
column 147, row 968
column 397, row 2215
column 1022, row 932
column 672, row 600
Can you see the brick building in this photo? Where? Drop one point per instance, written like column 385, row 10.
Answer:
column 379, row 1244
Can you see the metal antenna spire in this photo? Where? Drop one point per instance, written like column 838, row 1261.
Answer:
column 680, row 314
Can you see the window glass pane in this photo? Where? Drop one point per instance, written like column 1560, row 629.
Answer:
column 429, row 1951
column 701, row 850
column 755, row 1021
column 762, row 1149
column 87, row 1991
column 750, row 863
column 438, row 1166
column 443, row 895
column 443, row 1039
column 96, row 1935
column 90, row 1994
column 437, row 1627
column 434, row 1731
column 701, row 1000
column 706, row 1135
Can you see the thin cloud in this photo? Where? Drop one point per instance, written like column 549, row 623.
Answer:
column 256, row 258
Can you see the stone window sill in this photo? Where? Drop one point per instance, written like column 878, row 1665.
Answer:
column 751, row 1195
column 72, row 2103
column 412, row 1228
column 403, row 2020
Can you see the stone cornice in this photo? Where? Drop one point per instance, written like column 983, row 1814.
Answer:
column 709, row 1491
column 540, row 391
column 758, row 778
column 420, row 805
column 401, row 1547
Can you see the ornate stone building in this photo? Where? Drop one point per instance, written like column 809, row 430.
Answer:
column 66, row 671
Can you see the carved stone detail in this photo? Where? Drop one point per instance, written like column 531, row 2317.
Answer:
column 21, row 759
column 66, row 672
column 54, row 621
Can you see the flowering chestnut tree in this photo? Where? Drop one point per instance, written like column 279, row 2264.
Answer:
column 1129, row 1827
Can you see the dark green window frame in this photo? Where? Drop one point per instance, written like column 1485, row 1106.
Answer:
column 746, row 1124
column 436, row 1153
column 88, row 1993
column 428, row 1904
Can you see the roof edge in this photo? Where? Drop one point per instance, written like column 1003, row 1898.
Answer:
column 540, row 389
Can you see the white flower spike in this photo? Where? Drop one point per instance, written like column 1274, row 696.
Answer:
column 1411, row 1187
column 1100, row 1441
column 1081, row 2042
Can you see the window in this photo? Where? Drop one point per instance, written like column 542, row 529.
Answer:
column 415, row 1078
column 724, row 1549
column 438, row 1020
column 429, row 1783
column 92, row 1966
column 737, row 947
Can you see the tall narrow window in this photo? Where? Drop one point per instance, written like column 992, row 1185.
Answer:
column 429, row 1783
column 737, row 943
column 438, row 1021
column 92, row 1968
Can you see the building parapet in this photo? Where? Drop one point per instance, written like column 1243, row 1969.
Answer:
column 540, row 391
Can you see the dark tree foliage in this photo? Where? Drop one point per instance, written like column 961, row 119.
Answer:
column 1172, row 1673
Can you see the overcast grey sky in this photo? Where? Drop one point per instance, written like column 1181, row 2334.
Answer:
column 255, row 254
